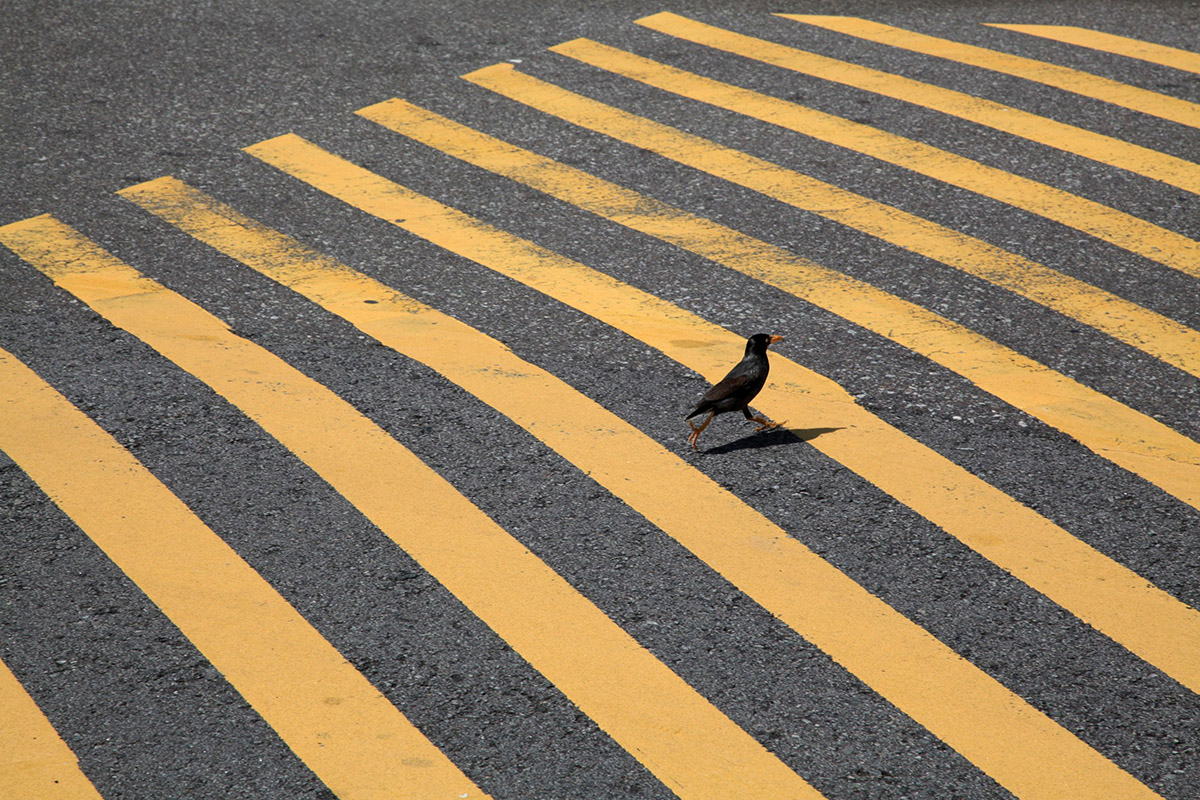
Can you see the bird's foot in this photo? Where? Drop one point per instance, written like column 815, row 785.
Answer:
column 696, row 431
column 766, row 425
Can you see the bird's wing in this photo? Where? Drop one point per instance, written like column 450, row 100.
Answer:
column 728, row 387
column 744, row 378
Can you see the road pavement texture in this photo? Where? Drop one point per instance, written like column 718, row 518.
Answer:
column 344, row 360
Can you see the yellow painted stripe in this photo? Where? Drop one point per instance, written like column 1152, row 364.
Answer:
column 1116, row 227
column 995, row 729
column 1131, row 439
column 1095, row 588
column 1065, row 78
column 34, row 760
column 1109, row 43
column 357, row 742
column 1128, row 322
column 577, row 428
column 1069, row 138
column 676, row 733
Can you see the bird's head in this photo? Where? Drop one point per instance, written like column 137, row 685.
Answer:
column 759, row 342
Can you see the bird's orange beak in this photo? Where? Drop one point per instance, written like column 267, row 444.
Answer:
column 774, row 339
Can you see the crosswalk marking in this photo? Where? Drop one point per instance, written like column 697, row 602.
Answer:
column 1137, row 442
column 683, row 739
column 1111, row 43
column 357, row 742
column 1128, row 322
column 1089, row 144
column 1065, row 78
column 1116, row 227
column 1098, row 590
column 34, row 760
column 562, row 634
column 995, row 729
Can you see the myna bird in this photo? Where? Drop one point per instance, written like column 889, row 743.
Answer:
column 738, row 388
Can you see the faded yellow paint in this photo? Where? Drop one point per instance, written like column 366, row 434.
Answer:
column 1105, row 223
column 1139, row 327
column 1109, row 43
column 1069, row 138
column 679, row 736
column 347, row 733
column 1019, row 746
column 34, row 760
column 1069, row 80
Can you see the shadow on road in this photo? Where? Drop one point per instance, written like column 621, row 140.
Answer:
column 771, row 438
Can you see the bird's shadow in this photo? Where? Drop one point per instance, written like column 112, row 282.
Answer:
column 769, row 438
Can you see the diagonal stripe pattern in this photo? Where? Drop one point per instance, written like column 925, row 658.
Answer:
column 917, row 665
column 348, row 733
column 1032, row 548
column 1068, row 138
column 677, row 734
column 1065, row 78
column 1111, row 43
column 1135, row 441
column 1116, row 227
column 34, row 760
column 1140, row 328
column 1159, row 336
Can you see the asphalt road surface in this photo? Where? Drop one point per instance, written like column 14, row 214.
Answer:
column 341, row 400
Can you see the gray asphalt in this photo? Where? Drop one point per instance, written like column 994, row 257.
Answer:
column 102, row 95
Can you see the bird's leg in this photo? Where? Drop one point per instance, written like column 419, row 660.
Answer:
column 763, row 423
column 697, row 431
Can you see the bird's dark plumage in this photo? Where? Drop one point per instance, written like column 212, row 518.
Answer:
column 738, row 388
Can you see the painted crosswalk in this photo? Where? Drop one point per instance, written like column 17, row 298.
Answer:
column 356, row 742
column 1052, row 133
column 1136, row 326
column 1111, row 43
column 1065, row 78
column 361, row 742
column 917, row 476
column 37, row 763
column 1123, row 230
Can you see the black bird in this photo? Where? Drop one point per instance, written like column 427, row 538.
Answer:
column 738, row 388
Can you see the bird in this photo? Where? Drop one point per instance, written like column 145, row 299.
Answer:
column 738, row 388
